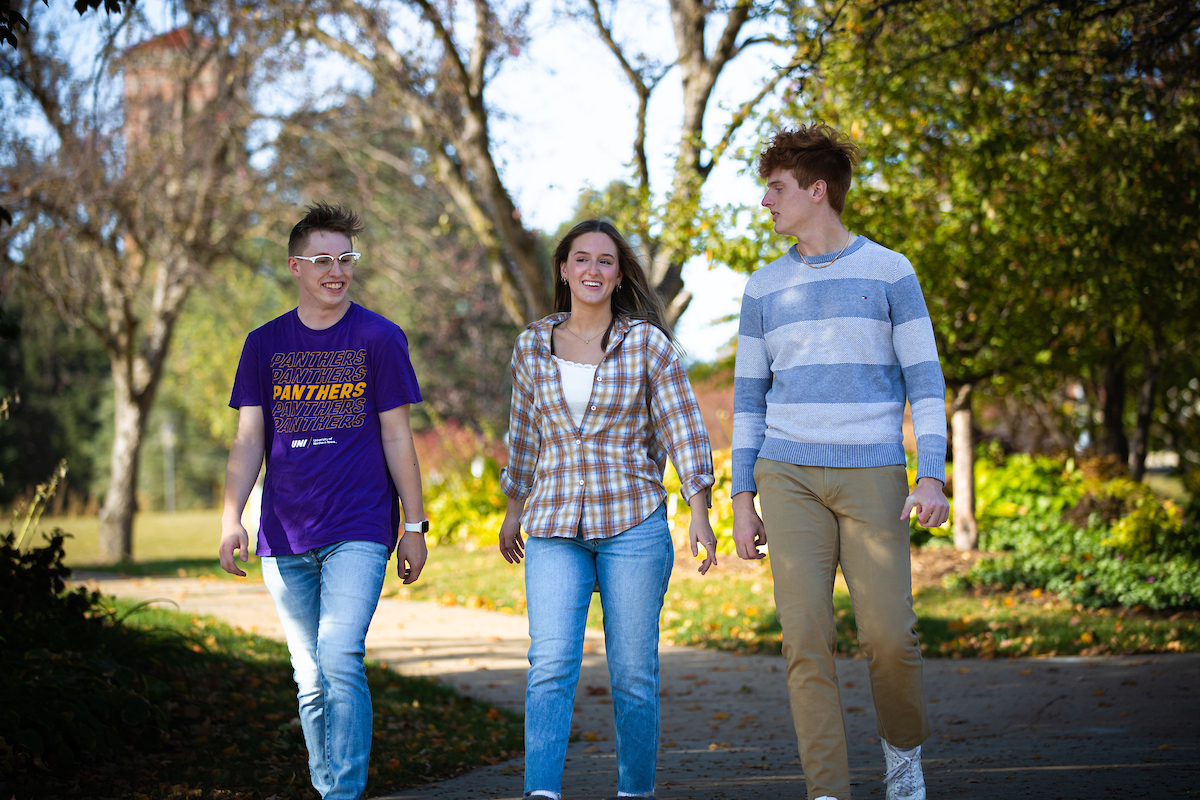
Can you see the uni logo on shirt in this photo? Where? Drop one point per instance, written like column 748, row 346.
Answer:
column 299, row 443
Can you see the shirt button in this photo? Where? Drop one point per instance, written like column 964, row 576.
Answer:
column 578, row 441
column 581, row 481
column 593, row 408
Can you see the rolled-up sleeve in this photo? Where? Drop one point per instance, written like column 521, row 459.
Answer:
column 676, row 418
column 524, row 438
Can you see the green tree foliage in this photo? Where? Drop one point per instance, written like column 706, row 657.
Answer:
column 52, row 376
column 1067, row 140
column 1039, row 166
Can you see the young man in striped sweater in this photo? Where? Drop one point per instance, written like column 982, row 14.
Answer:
column 834, row 336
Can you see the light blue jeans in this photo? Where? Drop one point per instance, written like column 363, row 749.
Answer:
column 633, row 569
column 325, row 599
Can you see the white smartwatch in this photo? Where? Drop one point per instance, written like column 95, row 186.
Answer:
column 417, row 527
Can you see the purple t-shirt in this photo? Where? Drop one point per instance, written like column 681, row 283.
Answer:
column 321, row 392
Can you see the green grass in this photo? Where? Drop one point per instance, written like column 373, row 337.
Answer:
column 735, row 610
column 183, row 538
column 1167, row 485
column 1002, row 624
column 731, row 609
column 230, row 703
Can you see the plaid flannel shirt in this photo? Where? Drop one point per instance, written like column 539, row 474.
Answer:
column 606, row 474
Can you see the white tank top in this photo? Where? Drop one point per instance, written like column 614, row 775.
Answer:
column 577, row 380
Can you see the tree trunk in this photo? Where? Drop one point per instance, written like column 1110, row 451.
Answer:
column 120, row 501
column 1115, row 441
column 966, row 529
column 1145, row 414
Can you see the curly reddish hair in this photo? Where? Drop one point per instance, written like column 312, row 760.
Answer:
column 812, row 153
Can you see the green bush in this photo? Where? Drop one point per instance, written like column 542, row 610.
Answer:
column 467, row 506
column 71, row 690
column 1095, row 539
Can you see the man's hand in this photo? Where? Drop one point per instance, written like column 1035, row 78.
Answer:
column 748, row 531
column 411, row 555
column 931, row 505
column 234, row 539
column 245, row 459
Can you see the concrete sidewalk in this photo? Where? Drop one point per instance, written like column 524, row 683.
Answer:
column 1121, row 727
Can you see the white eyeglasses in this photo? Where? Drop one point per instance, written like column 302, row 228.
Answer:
column 345, row 260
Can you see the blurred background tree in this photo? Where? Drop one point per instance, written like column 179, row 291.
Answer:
column 146, row 188
column 424, row 268
column 1038, row 164
column 1035, row 161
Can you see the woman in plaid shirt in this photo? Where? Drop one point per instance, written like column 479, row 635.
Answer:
column 599, row 401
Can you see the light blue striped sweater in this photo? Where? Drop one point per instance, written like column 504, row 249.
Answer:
column 825, row 358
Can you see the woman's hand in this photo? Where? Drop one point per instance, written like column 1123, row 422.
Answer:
column 700, row 532
column 512, row 547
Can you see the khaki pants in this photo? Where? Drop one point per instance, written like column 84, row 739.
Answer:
column 816, row 518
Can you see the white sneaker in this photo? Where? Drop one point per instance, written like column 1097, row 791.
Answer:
column 903, row 779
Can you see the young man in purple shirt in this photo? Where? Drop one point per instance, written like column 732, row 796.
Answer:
column 323, row 392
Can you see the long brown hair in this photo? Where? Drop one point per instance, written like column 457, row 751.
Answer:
column 633, row 298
